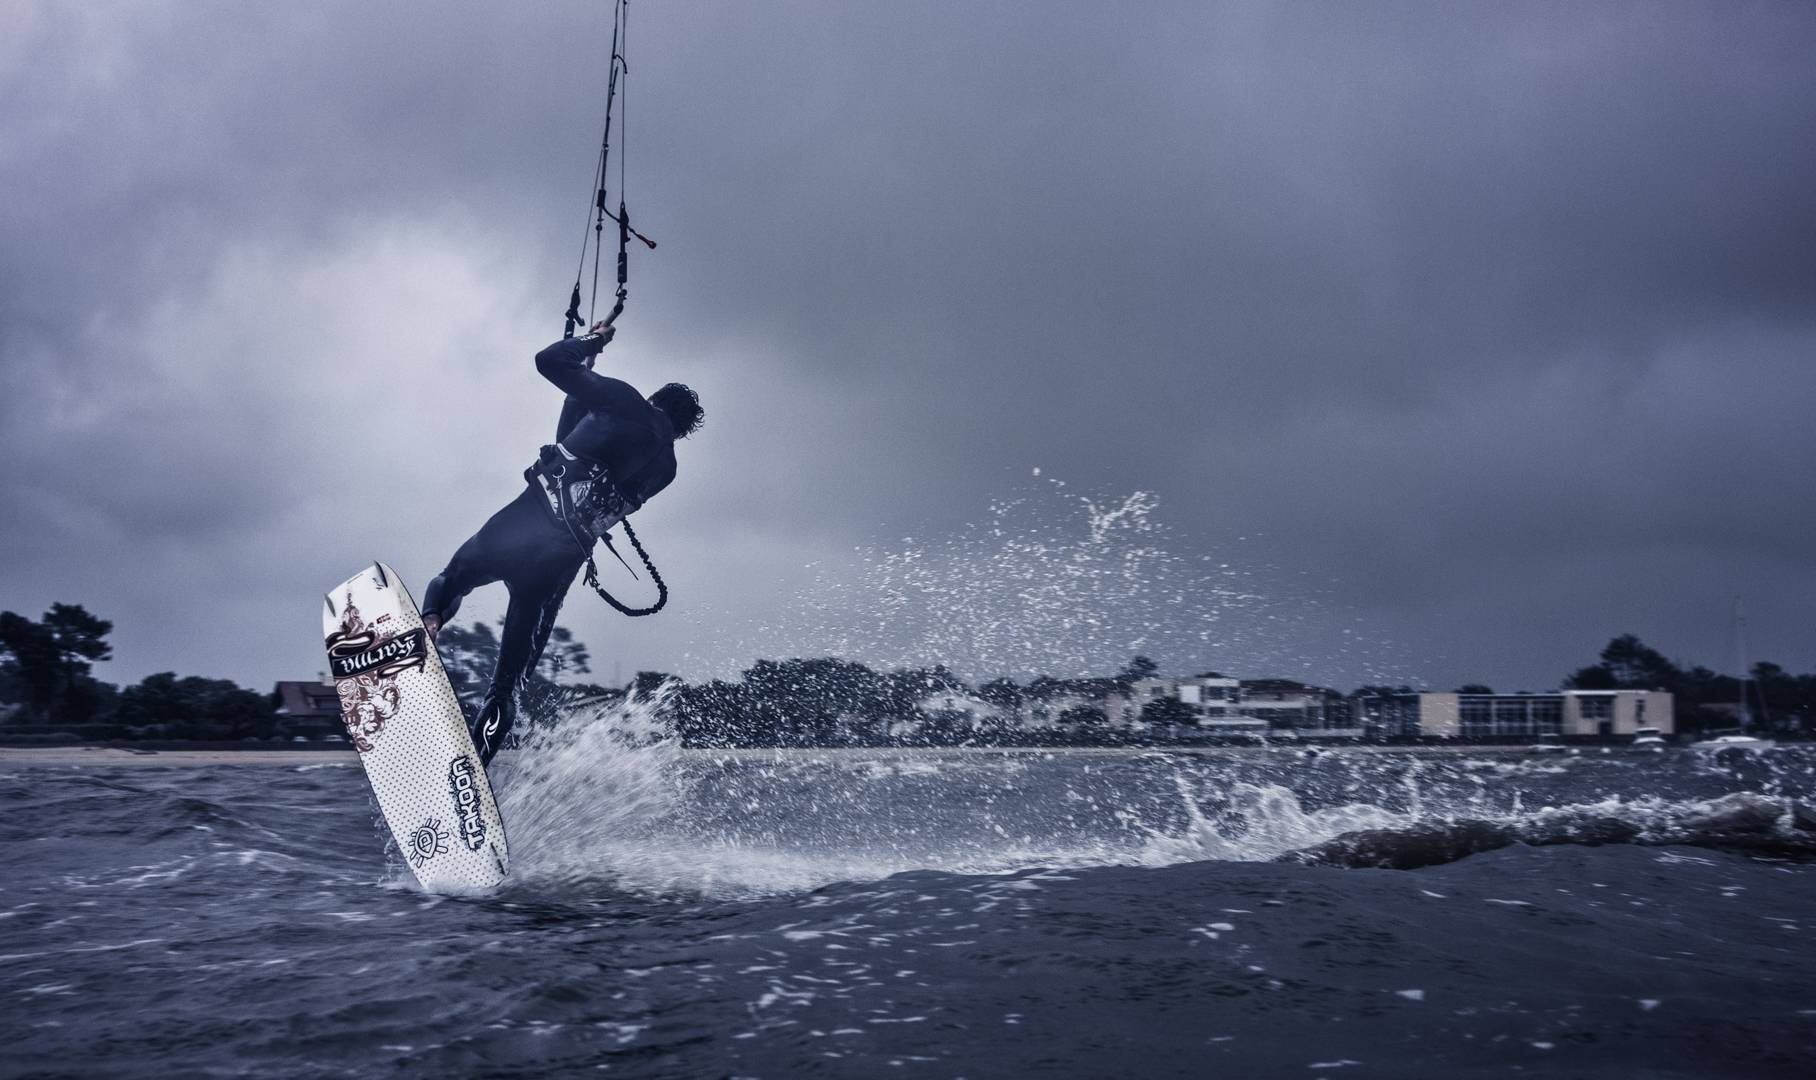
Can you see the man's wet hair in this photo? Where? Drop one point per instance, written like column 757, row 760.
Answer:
column 682, row 407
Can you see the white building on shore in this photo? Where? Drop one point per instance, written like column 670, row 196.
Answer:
column 1580, row 713
column 1217, row 704
column 1213, row 705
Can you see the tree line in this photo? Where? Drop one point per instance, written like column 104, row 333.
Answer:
column 47, row 685
column 48, row 689
column 830, row 702
column 1770, row 700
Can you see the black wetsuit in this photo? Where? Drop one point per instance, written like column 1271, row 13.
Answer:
column 525, row 545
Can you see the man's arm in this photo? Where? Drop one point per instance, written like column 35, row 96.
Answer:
column 572, row 412
column 567, row 364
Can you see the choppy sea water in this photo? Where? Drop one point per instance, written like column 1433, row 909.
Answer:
column 861, row 914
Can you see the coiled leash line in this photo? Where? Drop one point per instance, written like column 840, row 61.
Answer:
column 551, row 465
column 592, row 574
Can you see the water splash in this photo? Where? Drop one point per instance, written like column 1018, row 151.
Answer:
column 596, row 793
column 1072, row 589
column 606, row 797
column 1052, row 582
column 607, row 801
column 1260, row 822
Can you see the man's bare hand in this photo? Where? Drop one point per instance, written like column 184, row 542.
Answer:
column 604, row 329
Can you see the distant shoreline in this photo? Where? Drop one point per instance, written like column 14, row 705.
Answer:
column 75, row 756
column 61, row 756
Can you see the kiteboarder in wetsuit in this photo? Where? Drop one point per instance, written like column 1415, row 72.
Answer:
column 613, row 451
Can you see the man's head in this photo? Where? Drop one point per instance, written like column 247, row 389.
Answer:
column 682, row 407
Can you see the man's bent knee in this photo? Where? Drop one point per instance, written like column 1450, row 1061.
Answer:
column 440, row 601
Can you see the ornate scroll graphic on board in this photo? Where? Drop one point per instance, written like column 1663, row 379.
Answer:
column 366, row 662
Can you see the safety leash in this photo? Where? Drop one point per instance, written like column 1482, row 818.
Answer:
column 566, row 510
column 592, row 575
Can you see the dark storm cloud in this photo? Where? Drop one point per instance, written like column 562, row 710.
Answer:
column 1493, row 322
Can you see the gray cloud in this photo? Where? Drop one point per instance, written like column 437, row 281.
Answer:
column 1485, row 330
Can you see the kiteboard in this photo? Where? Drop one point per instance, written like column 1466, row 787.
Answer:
column 403, row 718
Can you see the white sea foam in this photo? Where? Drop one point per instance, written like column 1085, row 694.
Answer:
column 608, row 797
column 1262, row 821
column 604, row 797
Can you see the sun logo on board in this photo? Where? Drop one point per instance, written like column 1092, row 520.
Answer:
column 427, row 841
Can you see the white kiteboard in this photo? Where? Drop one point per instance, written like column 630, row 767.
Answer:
column 403, row 717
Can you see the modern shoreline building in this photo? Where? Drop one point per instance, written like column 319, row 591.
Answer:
column 1569, row 713
column 1220, row 704
column 1217, row 704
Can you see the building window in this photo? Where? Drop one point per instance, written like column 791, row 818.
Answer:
column 1547, row 716
column 1596, row 708
column 1511, row 718
column 1475, row 717
column 1521, row 716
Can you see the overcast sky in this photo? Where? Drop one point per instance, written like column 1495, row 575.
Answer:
column 1460, row 337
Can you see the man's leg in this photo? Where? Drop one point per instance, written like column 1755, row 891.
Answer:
column 536, row 558
column 514, row 541
column 545, row 622
column 470, row 568
column 519, row 646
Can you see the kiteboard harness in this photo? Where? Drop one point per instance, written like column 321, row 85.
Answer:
column 582, row 499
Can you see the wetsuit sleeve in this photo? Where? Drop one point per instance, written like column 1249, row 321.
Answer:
column 572, row 412
column 564, row 364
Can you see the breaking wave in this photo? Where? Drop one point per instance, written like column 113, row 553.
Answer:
column 1742, row 821
column 1268, row 823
